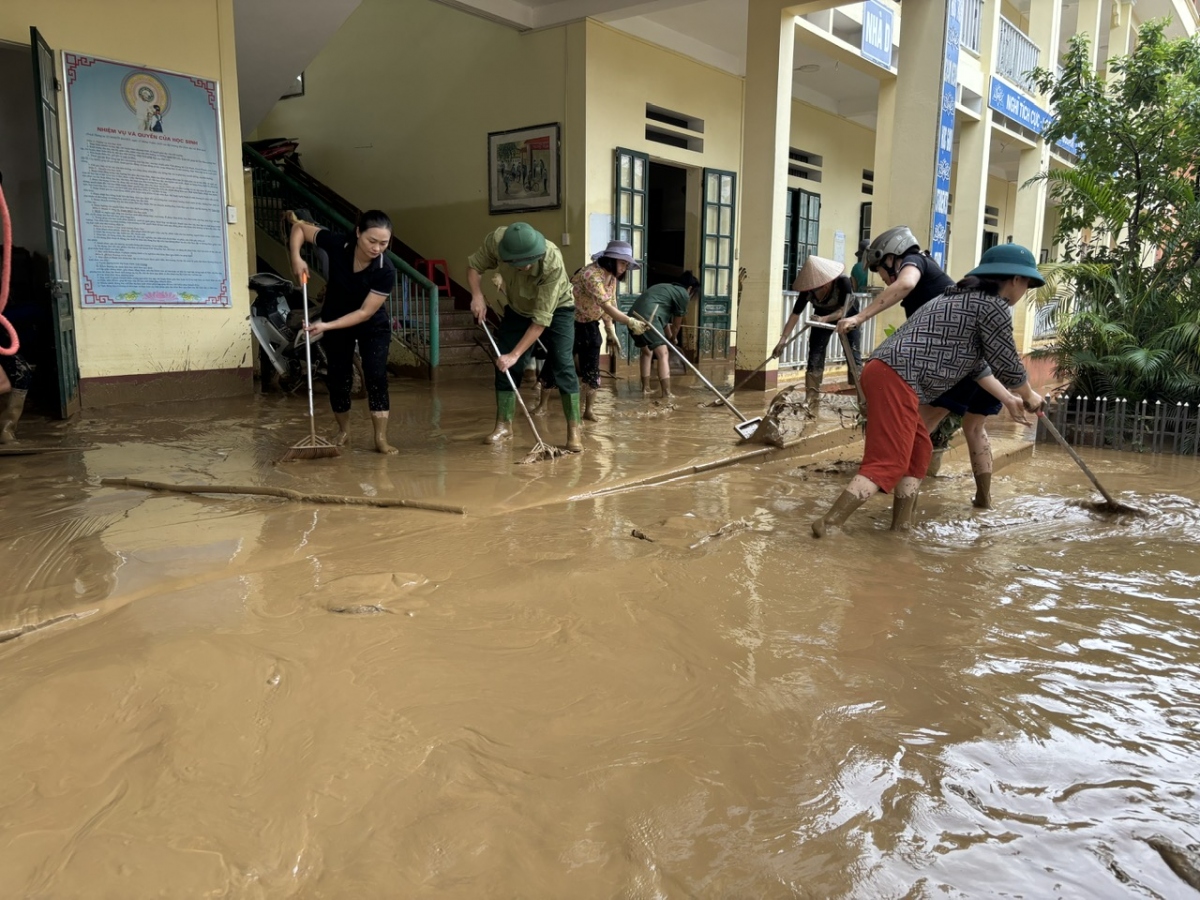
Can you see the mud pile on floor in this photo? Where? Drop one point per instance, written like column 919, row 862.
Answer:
column 785, row 419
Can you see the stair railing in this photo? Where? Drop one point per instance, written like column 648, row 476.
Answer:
column 413, row 306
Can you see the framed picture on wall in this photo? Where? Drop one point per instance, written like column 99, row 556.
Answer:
column 523, row 169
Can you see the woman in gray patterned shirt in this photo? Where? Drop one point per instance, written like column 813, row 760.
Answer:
column 966, row 332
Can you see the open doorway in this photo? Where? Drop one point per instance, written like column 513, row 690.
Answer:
column 33, row 307
column 666, row 223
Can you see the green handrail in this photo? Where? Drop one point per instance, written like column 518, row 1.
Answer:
column 317, row 204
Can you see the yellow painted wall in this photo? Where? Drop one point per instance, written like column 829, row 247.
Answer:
column 397, row 110
column 846, row 149
column 197, row 39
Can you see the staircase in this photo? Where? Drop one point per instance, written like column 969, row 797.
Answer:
column 414, row 307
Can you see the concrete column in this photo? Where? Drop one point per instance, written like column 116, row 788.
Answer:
column 770, row 36
column 1120, row 31
column 1045, row 20
column 973, row 153
column 1029, row 216
column 906, row 134
column 1087, row 20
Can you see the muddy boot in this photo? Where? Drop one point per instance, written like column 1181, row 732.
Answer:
column 342, row 436
column 812, row 391
column 12, row 415
column 666, row 389
column 983, row 491
column 845, row 504
column 379, row 421
column 646, row 389
column 589, row 395
column 902, row 512
column 506, row 407
column 935, row 461
column 570, row 405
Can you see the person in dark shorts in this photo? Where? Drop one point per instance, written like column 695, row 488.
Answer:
column 664, row 306
column 361, row 278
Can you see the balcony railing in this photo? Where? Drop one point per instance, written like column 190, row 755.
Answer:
column 972, row 18
column 796, row 355
column 1016, row 55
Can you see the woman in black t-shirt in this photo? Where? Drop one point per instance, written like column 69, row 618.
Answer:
column 361, row 278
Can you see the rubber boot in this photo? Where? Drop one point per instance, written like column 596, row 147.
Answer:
column 506, row 407
column 12, row 415
column 983, row 491
column 812, row 390
column 570, row 405
column 902, row 512
column 379, row 422
column 589, row 395
column 343, row 425
column 665, row 383
column 935, row 461
column 843, row 506
column 646, row 389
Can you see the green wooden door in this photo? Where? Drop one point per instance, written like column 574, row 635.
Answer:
column 47, row 87
column 629, row 224
column 716, row 259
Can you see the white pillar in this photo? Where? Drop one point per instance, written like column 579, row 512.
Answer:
column 770, row 35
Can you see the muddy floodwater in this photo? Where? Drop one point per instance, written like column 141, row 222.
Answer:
column 221, row 696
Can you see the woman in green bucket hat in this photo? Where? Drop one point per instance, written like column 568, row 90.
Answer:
column 541, row 305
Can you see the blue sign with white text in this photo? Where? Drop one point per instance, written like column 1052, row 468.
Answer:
column 877, row 33
column 1011, row 103
column 940, row 218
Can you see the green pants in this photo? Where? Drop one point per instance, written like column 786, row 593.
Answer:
column 559, row 338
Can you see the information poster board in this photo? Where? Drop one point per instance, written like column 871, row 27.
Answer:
column 146, row 166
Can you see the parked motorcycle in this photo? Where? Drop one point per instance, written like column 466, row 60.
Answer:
column 277, row 322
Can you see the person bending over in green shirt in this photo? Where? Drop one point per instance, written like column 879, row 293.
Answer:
column 541, row 304
column 663, row 305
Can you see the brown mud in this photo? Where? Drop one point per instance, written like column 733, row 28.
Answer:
column 245, row 698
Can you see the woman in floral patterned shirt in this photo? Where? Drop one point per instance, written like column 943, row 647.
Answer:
column 595, row 288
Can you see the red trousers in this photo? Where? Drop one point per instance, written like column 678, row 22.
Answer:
column 897, row 441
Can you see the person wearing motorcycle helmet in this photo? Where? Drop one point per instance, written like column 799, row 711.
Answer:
column 361, row 278
column 541, row 305
column 968, row 332
column 912, row 276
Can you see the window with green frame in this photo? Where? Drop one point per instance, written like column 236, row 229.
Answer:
column 802, row 226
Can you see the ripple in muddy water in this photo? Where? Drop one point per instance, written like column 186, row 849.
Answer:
column 1001, row 703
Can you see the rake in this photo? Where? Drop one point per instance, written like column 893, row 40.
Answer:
column 311, row 447
column 541, row 450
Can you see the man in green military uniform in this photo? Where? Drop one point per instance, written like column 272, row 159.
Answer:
column 541, row 304
column 664, row 306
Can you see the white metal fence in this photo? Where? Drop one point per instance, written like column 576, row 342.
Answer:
column 796, row 355
column 1016, row 55
column 972, row 17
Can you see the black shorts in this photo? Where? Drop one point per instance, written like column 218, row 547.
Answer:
column 968, row 397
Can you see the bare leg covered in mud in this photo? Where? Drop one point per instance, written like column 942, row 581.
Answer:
column 857, row 492
column 661, row 357
column 379, row 422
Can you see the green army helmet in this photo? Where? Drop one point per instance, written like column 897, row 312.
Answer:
column 521, row 244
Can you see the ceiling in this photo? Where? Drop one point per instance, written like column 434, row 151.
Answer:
column 276, row 40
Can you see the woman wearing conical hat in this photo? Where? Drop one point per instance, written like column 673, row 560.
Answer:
column 821, row 283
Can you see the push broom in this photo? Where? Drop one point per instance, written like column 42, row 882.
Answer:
column 311, row 447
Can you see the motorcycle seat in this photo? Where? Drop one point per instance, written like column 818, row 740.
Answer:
column 267, row 281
